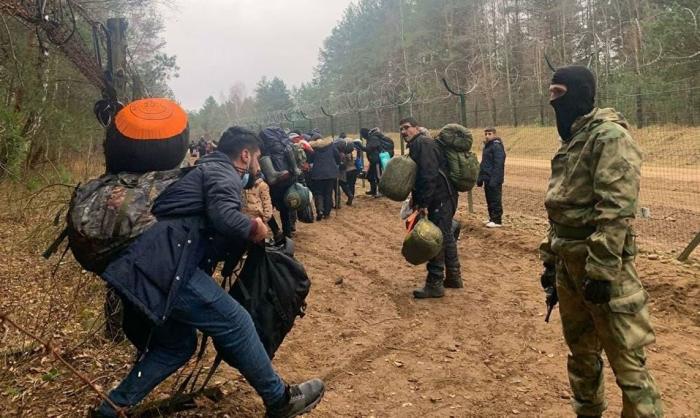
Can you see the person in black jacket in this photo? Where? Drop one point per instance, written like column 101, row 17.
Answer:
column 373, row 147
column 433, row 194
column 164, row 279
column 324, row 174
column 491, row 174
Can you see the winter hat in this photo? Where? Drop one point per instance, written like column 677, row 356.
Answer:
column 364, row 132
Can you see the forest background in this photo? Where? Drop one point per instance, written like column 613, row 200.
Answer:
column 645, row 54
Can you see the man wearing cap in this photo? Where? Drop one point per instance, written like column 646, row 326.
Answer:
column 590, row 249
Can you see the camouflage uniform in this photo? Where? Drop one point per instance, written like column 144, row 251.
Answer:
column 591, row 198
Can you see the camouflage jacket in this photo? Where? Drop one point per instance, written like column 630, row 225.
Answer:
column 594, row 187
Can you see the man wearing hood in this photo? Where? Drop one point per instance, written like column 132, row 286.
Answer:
column 590, row 249
column 373, row 147
column 324, row 174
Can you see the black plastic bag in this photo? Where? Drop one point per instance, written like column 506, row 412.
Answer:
column 272, row 287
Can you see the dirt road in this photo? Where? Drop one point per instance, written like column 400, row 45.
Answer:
column 483, row 351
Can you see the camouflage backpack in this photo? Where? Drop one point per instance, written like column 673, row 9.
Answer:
column 107, row 213
column 462, row 164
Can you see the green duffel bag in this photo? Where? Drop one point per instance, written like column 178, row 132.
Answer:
column 422, row 243
column 296, row 197
column 455, row 136
column 398, row 178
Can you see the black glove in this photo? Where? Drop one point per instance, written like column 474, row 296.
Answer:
column 479, row 183
column 596, row 291
column 552, row 297
column 548, row 277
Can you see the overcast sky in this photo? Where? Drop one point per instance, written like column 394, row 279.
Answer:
column 220, row 42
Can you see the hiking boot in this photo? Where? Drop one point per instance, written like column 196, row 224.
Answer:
column 433, row 289
column 453, row 282
column 272, row 176
column 319, row 218
column 370, row 193
column 350, row 199
column 299, row 399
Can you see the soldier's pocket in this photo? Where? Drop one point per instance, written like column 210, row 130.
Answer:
column 630, row 326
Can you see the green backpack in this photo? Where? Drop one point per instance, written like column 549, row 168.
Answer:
column 462, row 164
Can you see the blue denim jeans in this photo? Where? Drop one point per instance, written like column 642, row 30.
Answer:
column 200, row 304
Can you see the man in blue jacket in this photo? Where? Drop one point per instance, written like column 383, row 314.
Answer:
column 491, row 173
column 164, row 278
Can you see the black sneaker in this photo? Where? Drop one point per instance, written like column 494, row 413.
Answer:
column 299, row 399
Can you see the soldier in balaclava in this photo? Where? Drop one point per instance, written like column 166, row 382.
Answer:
column 590, row 249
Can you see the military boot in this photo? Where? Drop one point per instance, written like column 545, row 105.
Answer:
column 433, row 289
column 453, row 280
column 272, row 176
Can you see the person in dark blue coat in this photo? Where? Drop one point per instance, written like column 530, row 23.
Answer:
column 324, row 174
column 491, row 174
column 164, row 279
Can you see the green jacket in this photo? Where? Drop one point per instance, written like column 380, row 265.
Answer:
column 594, row 188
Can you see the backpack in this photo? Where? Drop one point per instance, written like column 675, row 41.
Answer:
column 462, row 164
column 387, row 143
column 107, row 213
column 272, row 287
column 277, row 146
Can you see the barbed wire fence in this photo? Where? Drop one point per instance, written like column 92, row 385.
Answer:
column 665, row 124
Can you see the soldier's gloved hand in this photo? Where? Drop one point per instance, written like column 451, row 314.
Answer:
column 596, row 291
column 548, row 277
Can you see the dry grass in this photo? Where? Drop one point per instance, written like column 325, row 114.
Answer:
column 663, row 145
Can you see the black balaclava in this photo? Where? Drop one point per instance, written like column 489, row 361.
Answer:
column 578, row 100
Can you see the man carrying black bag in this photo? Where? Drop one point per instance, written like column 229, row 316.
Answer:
column 164, row 276
column 272, row 287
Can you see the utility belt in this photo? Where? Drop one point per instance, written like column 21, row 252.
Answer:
column 570, row 232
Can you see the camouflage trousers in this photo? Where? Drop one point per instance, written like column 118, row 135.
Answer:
column 621, row 328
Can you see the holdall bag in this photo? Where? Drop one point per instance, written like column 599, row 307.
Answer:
column 423, row 241
column 272, row 287
column 398, row 178
column 296, row 196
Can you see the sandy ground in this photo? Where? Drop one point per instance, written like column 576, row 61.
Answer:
column 483, row 351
